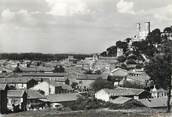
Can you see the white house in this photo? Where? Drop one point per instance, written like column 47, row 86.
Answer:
column 119, row 72
column 102, row 95
column 157, row 93
column 110, row 94
column 18, row 83
column 52, row 88
column 139, row 77
column 117, row 75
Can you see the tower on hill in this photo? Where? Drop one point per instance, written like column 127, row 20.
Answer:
column 119, row 52
column 142, row 34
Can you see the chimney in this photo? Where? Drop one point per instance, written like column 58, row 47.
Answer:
column 147, row 26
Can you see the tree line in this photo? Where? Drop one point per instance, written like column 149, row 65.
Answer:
column 40, row 56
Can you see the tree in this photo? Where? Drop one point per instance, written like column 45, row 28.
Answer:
column 112, row 51
column 131, row 61
column 128, row 40
column 59, row 69
column 154, row 37
column 74, row 85
column 17, row 69
column 99, row 84
column 129, row 84
column 123, row 66
column 122, row 45
column 97, row 72
column 67, row 81
column 121, row 59
column 132, row 56
column 104, row 53
column 168, row 30
column 160, row 71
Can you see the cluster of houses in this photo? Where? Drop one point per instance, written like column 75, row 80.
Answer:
column 20, row 94
column 34, row 87
column 37, row 86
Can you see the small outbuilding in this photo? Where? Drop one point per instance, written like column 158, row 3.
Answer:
column 17, row 100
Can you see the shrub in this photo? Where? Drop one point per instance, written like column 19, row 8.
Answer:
column 85, row 103
column 131, row 61
column 121, row 59
column 101, row 83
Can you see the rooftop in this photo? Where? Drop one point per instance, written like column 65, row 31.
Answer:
column 124, row 91
column 34, row 74
column 3, row 86
column 64, row 86
column 33, row 94
column 63, row 97
column 37, row 69
column 15, row 93
column 91, row 76
column 121, row 100
column 15, row 80
column 119, row 72
column 154, row 102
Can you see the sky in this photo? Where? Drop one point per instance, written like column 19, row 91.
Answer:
column 75, row 26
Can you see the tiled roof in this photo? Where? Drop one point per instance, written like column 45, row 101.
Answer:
column 64, row 86
column 116, row 69
column 33, row 94
column 37, row 69
column 91, row 76
column 34, row 74
column 139, row 78
column 63, row 97
column 121, row 100
column 154, row 102
column 2, row 86
column 119, row 72
column 123, row 91
column 14, row 80
column 15, row 93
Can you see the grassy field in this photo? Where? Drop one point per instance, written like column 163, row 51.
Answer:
column 91, row 113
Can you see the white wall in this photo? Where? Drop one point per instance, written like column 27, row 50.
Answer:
column 44, row 86
column 102, row 95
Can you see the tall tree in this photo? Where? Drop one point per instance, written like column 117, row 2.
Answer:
column 160, row 71
column 100, row 83
column 154, row 37
column 59, row 69
column 111, row 51
column 122, row 45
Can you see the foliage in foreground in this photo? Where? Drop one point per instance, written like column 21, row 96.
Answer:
column 92, row 103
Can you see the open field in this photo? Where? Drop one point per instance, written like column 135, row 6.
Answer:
column 90, row 113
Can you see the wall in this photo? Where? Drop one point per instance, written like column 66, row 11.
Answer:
column 102, row 95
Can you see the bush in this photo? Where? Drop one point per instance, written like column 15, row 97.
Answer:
column 131, row 61
column 101, row 83
column 139, row 66
column 128, row 84
column 123, row 66
column 85, row 103
column 121, row 59
column 128, row 105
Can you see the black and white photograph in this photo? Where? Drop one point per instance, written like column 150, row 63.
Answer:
column 85, row 58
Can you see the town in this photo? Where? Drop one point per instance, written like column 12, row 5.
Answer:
column 127, row 75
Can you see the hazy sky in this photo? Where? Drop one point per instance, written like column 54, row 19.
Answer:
column 80, row 26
